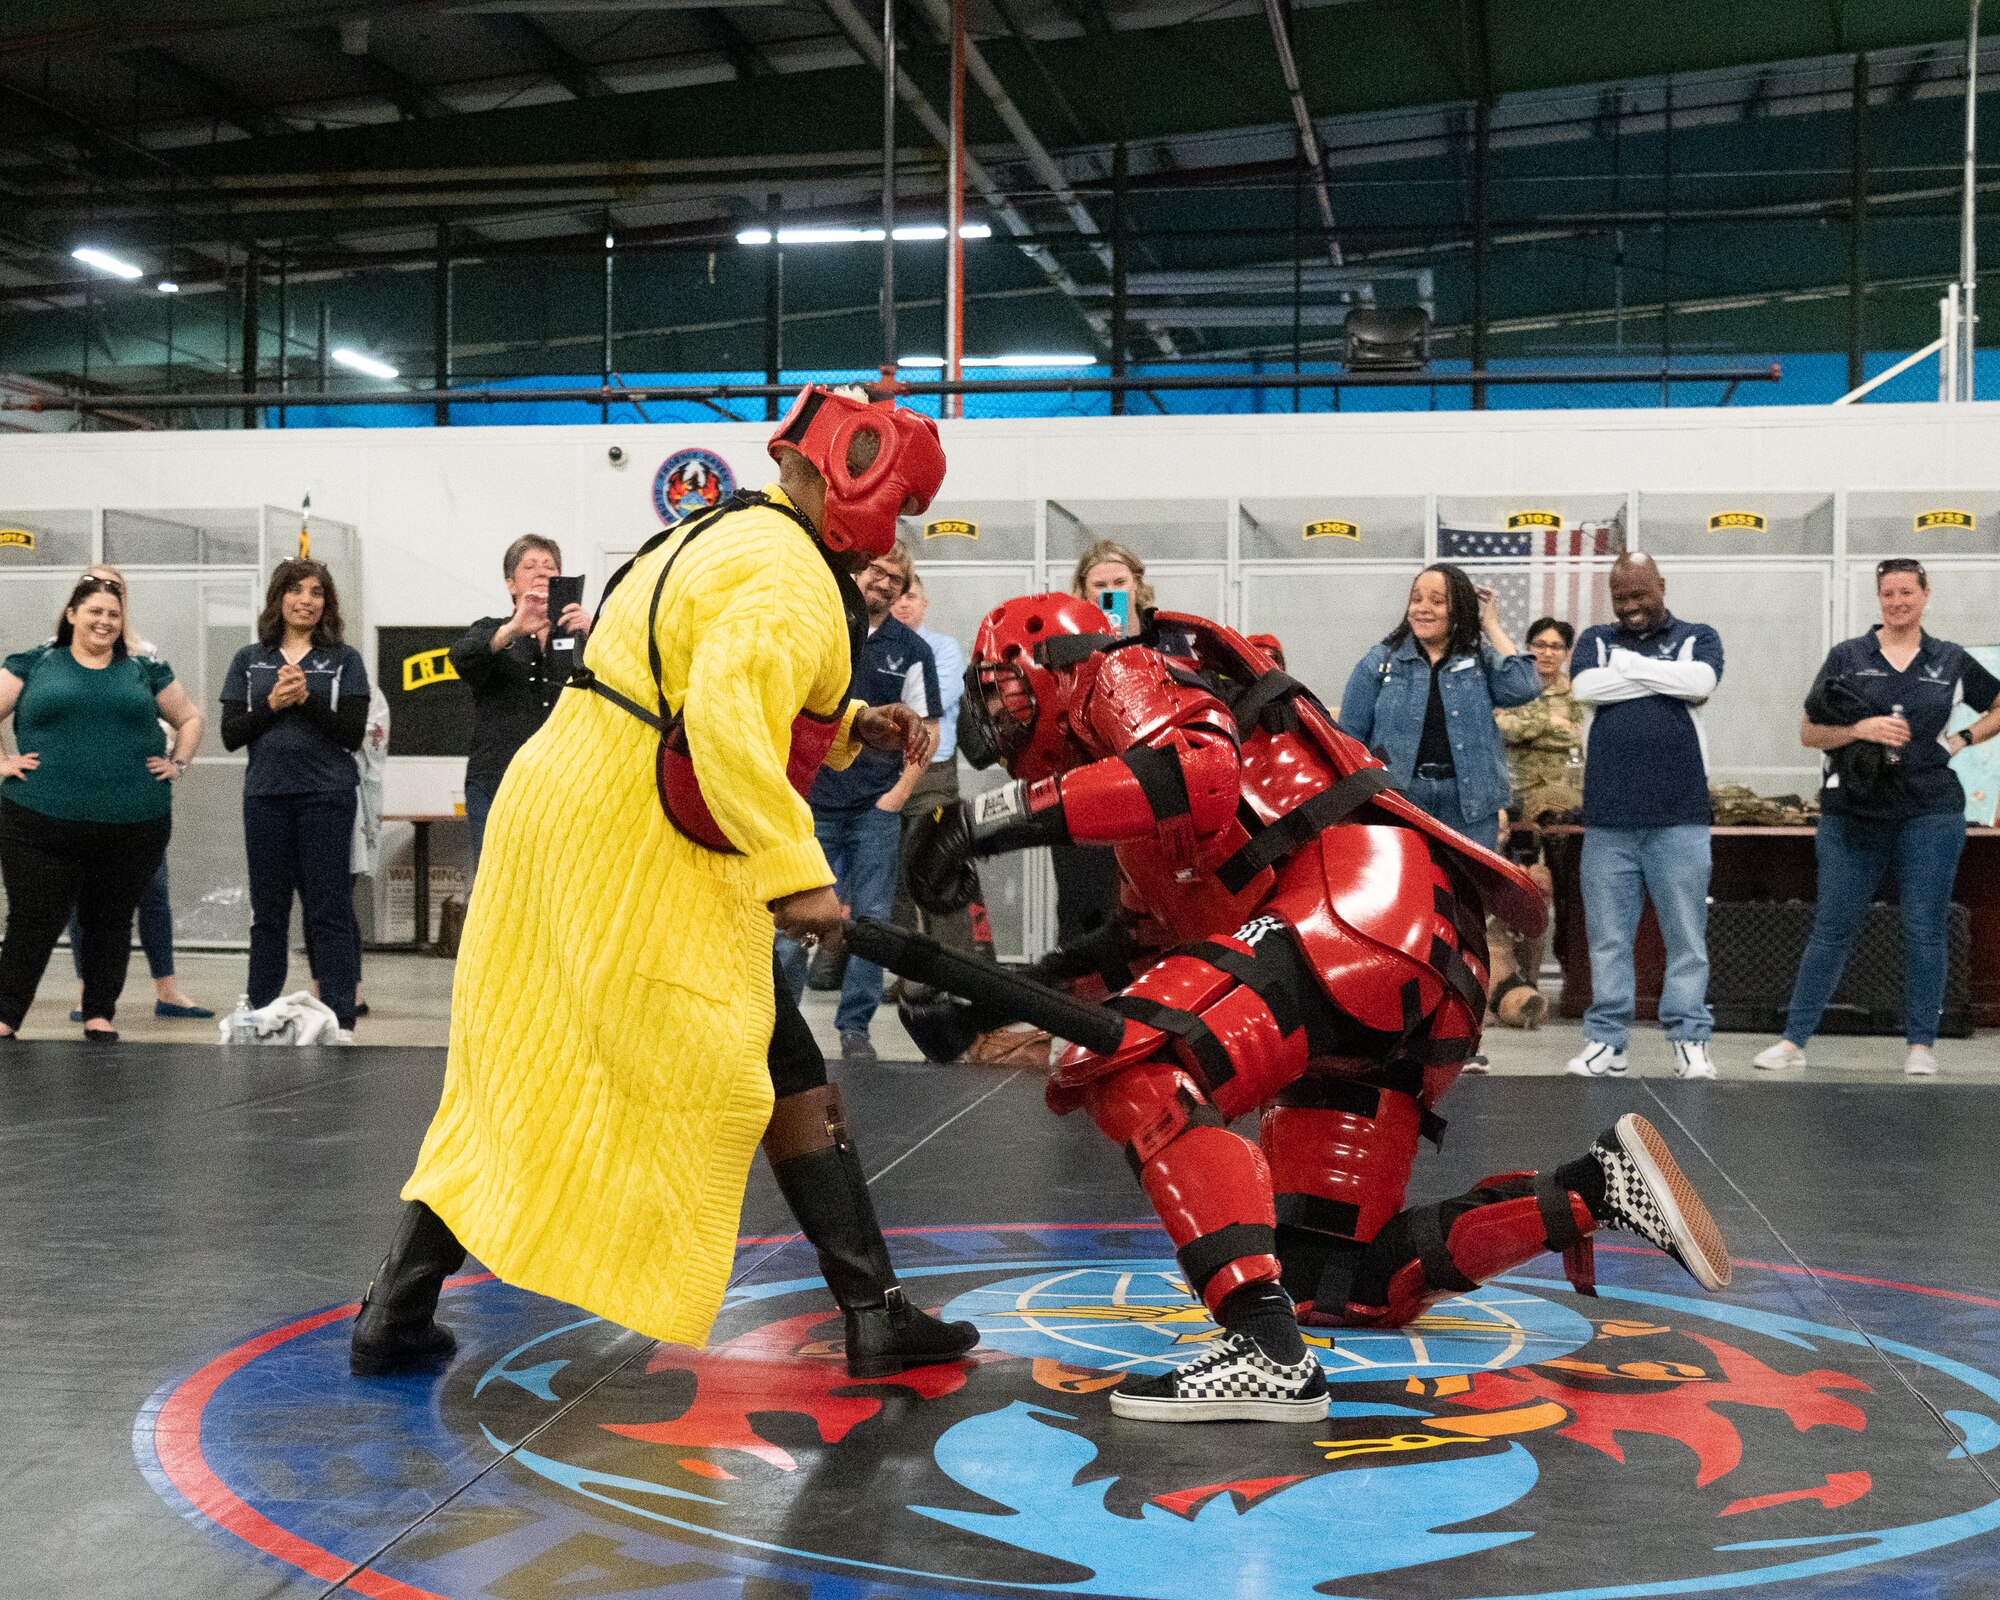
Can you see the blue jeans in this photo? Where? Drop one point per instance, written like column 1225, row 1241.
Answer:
column 299, row 844
column 1855, row 854
column 862, row 847
column 1439, row 798
column 156, row 929
column 478, row 801
column 1621, row 868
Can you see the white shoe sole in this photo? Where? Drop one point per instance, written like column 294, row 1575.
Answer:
column 1696, row 1072
column 1920, row 1072
column 1780, row 1064
column 1585, row 1072
column 1695, row 1232
column 1139, row 1409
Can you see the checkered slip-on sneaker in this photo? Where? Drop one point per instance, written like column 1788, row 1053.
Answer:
column 1647, row 1193
column 1233, row 1381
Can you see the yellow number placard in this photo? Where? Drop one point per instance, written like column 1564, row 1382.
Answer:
column 1747, row 521
column 1332, row 528
column 427, row 667
column 951, row 528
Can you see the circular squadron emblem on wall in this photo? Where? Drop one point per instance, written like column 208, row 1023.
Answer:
column 689, row 481
column 1521, row 1440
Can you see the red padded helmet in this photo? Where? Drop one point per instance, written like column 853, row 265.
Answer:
column 861, row 508
column 1022, row 678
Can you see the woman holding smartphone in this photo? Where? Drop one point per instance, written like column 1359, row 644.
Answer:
column 298, row 699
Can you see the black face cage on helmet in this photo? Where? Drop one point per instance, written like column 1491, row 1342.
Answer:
column 989, row 730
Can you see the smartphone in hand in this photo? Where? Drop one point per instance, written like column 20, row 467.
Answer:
column 564, row 592
column 1117, row 605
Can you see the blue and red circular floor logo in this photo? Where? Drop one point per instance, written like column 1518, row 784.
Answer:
column 1518, row 1441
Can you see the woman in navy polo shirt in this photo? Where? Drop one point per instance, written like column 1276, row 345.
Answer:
column 1889, row 804
column 299, row 699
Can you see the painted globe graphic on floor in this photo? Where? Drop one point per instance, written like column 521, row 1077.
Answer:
column 1521, row 1440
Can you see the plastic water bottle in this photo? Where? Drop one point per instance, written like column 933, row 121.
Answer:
column 1894, row 752
column 237, row 1027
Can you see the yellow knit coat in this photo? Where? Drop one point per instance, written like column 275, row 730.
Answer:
column 612, row 1010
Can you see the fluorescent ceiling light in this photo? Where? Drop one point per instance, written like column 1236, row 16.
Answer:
column 367, row 364
column 104, row 261
column 167, row 286
column 1069, row 360
column 911, row 233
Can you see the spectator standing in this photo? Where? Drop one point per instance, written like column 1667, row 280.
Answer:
column 156, row 909
column 364, row 854
column 1087, row 875
column 298, row 699
column 513, row 674
column 86, row 806
column 1544, row 741
column 1544, row 737
column 858, row 812
column 1890, row 805
column 1424, row 697
column 936, row 784
column 1645, row 815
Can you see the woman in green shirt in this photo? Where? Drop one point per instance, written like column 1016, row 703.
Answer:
column 85, row 807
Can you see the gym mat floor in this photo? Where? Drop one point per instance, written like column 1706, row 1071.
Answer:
column 187, row 1229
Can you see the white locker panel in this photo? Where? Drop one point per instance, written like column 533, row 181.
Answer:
column 1324, row 618
column 1773, row 622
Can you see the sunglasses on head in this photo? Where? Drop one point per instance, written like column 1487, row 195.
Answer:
column 1899, row 564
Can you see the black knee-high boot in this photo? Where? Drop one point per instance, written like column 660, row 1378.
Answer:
column 398, row 1327
column 820, row 1174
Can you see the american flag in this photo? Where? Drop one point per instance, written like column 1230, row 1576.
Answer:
column 1550, row 572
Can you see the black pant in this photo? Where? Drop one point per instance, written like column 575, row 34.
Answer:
column 52, row 866
column 299, row 844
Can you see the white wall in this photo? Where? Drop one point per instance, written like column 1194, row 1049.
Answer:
column 436, row 507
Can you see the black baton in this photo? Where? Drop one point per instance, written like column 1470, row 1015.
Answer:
column 1097, row 1028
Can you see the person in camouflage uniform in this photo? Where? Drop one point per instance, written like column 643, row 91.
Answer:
column 1544, row 741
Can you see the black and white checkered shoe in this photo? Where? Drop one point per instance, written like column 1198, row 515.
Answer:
column 1232, row 1381
column 1646, row 1193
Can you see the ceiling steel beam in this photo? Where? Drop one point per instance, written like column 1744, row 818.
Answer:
column 550, row 56
column 1309, row 141
column 741, row 51
column 1004, row 211
column 217, row 99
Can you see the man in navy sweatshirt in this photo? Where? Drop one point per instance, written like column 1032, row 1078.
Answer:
column 1645, row 815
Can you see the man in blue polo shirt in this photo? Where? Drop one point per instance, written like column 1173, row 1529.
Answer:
column 858, row 811
column 1645, row 815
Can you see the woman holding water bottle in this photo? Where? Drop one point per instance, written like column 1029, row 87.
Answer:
column 1890, row 803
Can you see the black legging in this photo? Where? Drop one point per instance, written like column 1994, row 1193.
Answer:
column 796, row 1060
column 51, row 865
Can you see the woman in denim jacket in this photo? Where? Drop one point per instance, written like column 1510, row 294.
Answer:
column 1424, row 697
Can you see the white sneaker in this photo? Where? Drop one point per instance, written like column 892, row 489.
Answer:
column 1779, row 1056
column 343, row 1036
column 1920, row 1063
column 1597, row 1060
column 1691, row 1059
column 1478, row 1065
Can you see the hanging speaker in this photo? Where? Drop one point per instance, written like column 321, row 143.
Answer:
column 1388, row 339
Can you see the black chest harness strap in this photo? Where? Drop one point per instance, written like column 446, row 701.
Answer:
column 662, row 719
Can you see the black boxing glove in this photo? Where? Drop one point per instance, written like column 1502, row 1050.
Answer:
column 943, row 1025
column 937, row 859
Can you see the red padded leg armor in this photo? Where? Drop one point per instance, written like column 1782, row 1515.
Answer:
column 1340, row 1154
column 1209, row 1186
column 1431, row 1252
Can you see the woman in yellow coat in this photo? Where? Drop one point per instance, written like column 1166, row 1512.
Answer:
column 618, row 1038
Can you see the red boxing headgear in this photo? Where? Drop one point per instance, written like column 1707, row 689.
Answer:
column 1022, row 677
column 861, row 508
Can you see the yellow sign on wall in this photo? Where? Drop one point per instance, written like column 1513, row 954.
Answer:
column 1332, row 529
column 951, row 528
column 427, row 667
column 19, row 538
column 1748, row 521
column 1930, row 521
column 1534, row 519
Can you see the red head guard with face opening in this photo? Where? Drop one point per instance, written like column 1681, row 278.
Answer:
column 861, row 508
column 1022, row 678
